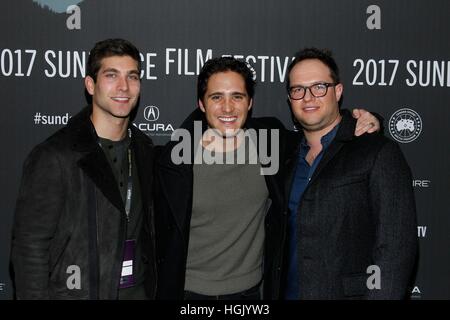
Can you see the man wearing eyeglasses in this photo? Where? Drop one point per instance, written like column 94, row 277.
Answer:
column 352, row 224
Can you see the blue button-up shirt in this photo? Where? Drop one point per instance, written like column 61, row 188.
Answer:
column 303, row 174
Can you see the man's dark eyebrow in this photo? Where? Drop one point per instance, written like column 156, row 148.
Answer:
column 117, row 71
column 110, row 70
column 235, row 93
column 215, row 94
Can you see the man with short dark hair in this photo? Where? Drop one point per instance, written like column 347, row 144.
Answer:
column 352, row 222
column 83, row 225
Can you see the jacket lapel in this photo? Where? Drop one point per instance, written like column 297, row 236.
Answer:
column 93, row 161
column 96, row 167
column 344, row 134
column 332, row 150
column 176, row 180
column 176, row 185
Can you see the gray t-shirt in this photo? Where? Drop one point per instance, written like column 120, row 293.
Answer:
column 226, row 239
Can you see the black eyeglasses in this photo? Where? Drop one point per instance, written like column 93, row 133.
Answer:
column 317, row 90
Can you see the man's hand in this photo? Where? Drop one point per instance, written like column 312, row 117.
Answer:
column 367, row 122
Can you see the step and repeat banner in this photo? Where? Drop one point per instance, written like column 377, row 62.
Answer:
column 394, row 58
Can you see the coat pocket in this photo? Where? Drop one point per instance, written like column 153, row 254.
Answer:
column 348, row 180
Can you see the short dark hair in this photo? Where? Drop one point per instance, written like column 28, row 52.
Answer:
column 223, row 64
column 324, row 55
column 109, row 48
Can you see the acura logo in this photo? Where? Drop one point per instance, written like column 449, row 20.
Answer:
column 151, row 113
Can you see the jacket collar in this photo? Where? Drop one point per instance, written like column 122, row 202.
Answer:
column 83, row 138
column 82, row 134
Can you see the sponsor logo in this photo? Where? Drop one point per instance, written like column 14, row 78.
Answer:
column 421, row 231
column 421, row 183
column 153, row 126
column 415, row 293
column 405, row 125
column 151, row 113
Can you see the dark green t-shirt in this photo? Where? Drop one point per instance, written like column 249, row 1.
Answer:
column 117, row 155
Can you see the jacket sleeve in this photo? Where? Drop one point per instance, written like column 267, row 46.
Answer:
column 393, row 205
column 40, row 201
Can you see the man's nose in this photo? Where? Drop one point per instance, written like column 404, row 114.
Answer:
column 308, row 95
column 228, row 105
column 123, row 84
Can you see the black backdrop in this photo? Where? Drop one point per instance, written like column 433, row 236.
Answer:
column 394, row 56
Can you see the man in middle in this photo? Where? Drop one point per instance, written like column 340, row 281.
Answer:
column 218, row 220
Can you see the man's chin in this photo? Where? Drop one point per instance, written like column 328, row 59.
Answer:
column 319, row 125
column 122, row 114
column 230, row 133
column 310, row 126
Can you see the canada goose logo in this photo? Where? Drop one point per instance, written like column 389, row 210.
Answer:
column 405, row 125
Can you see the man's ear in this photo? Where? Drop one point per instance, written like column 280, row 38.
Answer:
column 250, row 104
column 339, row 89
column 201, row 106
column 89, row 83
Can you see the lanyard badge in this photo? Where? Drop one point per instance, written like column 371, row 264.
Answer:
column 127, row 277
